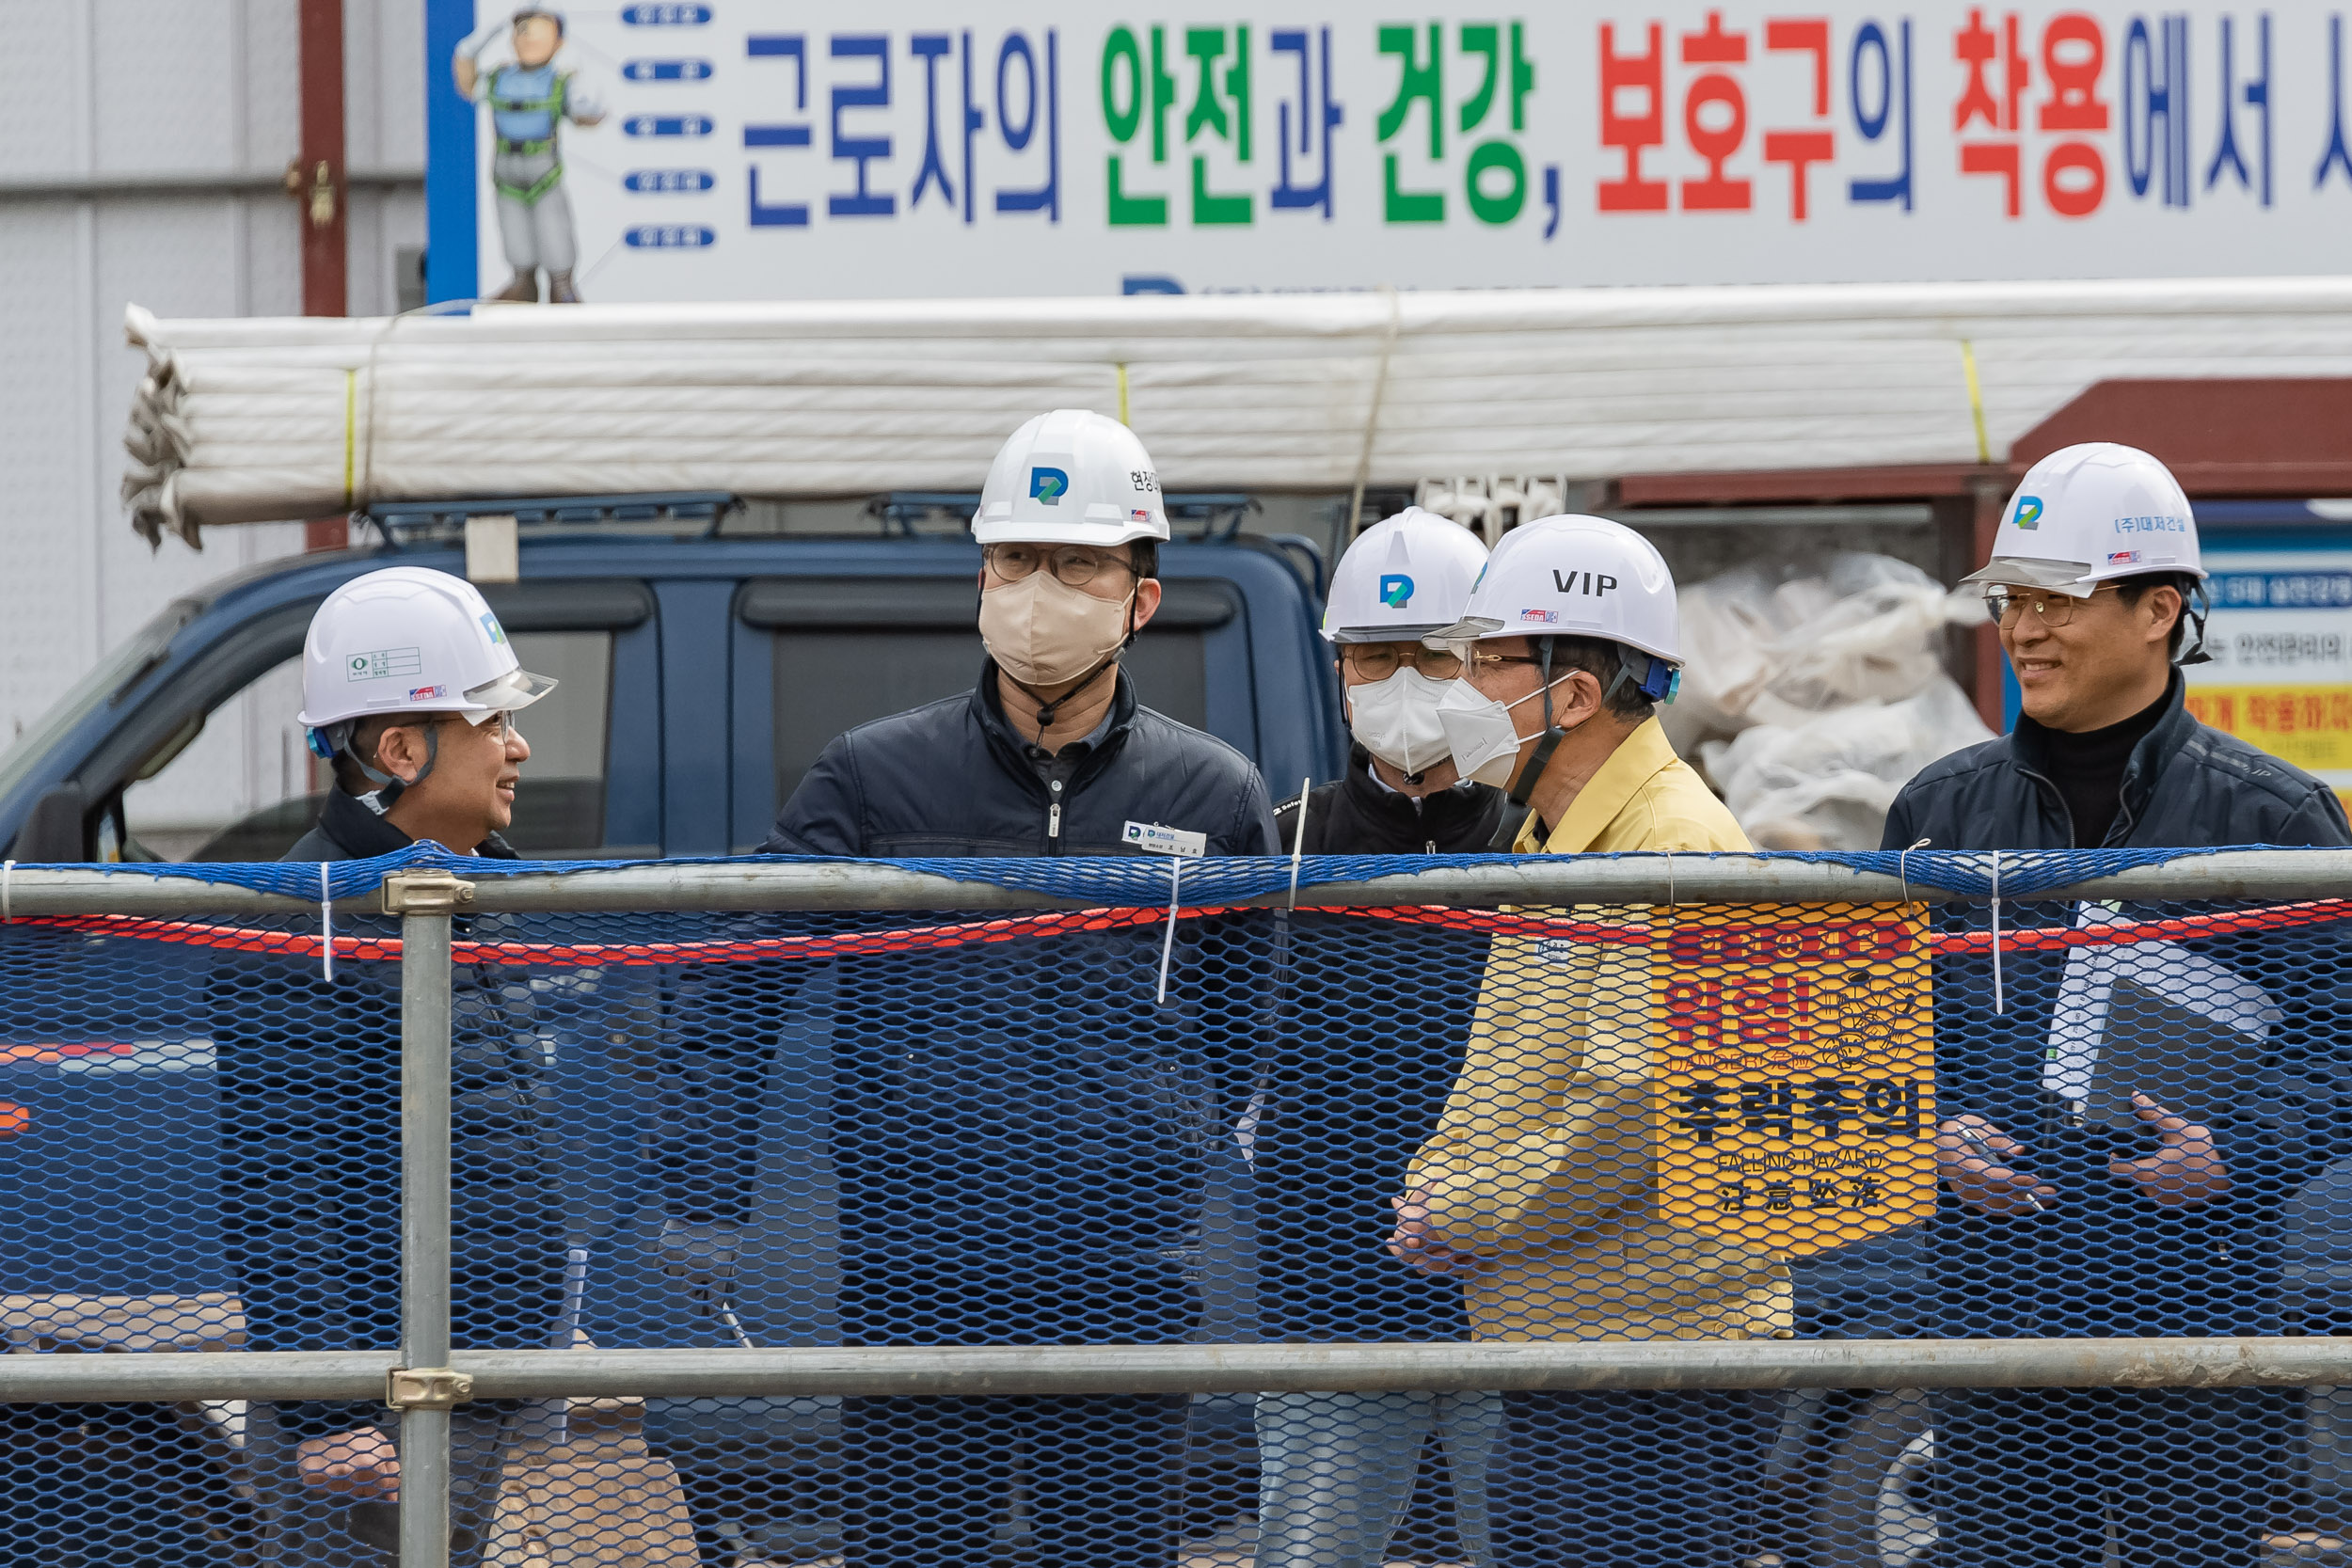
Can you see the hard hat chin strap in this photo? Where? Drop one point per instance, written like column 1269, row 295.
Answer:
column 389, row 786
column 1523, row 782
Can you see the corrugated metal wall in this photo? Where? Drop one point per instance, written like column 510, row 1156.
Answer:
column 141, row 147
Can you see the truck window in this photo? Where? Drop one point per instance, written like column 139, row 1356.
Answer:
column 835, row 679
column 238, row 783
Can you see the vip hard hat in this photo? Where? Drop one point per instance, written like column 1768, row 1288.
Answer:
column 410, row 640
column 2091, row 513
column 1576, row 577
column 1071, row 477
column 1407, row 577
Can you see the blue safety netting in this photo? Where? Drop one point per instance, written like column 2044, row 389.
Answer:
column 849, row 1127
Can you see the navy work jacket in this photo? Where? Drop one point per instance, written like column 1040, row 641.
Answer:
column 2104, row 1258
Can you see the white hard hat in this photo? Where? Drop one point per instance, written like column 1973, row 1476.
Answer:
column 410, row 640
column 1576, row 577
column 1071, row 477
column 1407, row 577
column 2090, row 514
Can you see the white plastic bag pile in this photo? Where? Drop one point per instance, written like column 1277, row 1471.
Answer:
column 1813, row 691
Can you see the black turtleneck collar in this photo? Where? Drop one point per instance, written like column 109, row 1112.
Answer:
column 2089, row 768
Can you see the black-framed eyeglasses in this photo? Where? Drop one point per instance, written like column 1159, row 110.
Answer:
column 1378, row 661
column 2008, row 606
column 1072, row 565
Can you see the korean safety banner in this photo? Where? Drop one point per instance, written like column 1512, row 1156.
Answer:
column 1796, row 1059
column 705, row 150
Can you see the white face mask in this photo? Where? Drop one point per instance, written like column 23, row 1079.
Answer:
column 1396, row 719
column 1479, row 732
column 1042, row 631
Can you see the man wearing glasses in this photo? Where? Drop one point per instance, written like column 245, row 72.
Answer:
column 1352, row 1090
column 2154, row 1216
column 410, row 689
column 1028, row 1150
column 1539, row 1188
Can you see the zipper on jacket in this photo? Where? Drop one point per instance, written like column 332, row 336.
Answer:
column 1053, row 819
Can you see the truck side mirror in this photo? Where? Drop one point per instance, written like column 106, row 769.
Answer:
column 53, row 829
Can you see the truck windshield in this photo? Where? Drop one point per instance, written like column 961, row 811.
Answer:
column 91, row 690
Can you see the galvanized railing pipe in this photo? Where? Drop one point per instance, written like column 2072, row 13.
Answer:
column 2269, row 875
column 422, row 1390
column 918, row 1371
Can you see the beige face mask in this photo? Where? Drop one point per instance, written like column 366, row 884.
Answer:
column 1042, row 631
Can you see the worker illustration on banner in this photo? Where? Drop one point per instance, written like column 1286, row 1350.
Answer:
column 531, row 90
column 1797, row 1066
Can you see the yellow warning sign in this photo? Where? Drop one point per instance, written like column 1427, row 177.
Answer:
column 1796, row 1070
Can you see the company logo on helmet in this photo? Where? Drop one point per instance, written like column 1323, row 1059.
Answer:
column 1396, row 590
column 1048, row 485
column 490, row 625
column 2028, row 515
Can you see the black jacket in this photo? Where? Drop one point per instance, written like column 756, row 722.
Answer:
column 2186, row 786
column 309, row 1084
column 952, row 778
column 1354, row 1089
column 1355, row 815
column 2104, row 1260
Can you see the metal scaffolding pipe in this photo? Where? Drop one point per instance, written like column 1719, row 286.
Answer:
column 2268, row 875
column 973, row 1370
column 424, row 901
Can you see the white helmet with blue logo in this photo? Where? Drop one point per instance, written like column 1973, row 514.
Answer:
column 2091, row 513
column 1403, row 577
column 1071, row 477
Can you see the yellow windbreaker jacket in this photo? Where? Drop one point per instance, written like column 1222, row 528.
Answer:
column 1544, row 1161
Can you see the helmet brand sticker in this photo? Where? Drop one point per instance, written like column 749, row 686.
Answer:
column 2028, row 515
column 426, row 693
column 384, row 663
column 1137, row 515
column 1541, row 617
column 490, row 625
column 2123, row 558
column 1396, row 590
column 1048, row 485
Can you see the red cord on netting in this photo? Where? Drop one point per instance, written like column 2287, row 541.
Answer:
column 1063, row 921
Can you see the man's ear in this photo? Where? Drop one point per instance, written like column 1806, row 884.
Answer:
column 1145, row 605
column 400, row 752
column 1578, row 698
column 2160, row 626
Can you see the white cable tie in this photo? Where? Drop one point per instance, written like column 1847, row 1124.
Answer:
column 8, row 898
column 2000, row 1004
column 1670, row 877
column 1167, row 946
column 327, row 927
column 1299, row 839
column 1903, row 870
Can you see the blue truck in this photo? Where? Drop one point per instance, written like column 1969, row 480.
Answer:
column 703, row 669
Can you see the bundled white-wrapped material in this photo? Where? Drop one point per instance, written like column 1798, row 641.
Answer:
column 1825, row 781
column 1827, row 677
column 252, row 420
